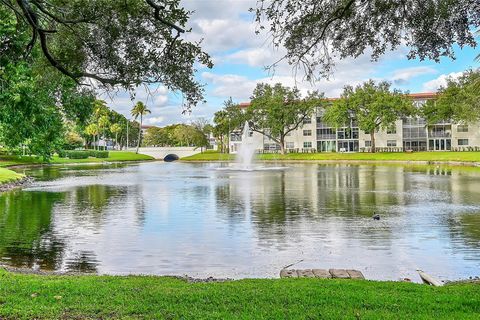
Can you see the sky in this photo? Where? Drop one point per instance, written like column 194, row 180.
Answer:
column 240, row 57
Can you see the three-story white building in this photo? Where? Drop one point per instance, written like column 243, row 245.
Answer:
column 406, row 134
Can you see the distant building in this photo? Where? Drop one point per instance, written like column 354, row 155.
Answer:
column 406, row 134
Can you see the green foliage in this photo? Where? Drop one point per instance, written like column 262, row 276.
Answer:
column 140, row 110
column 231, row 117
column 276, row 110
column 175, row 135
column 458, row 101
column 372, row 105
column 35, row 101
column 74, row 154
column 72, row 141
column 98, row 154
column 314, row 32
column 83, row 154
column 106, row 41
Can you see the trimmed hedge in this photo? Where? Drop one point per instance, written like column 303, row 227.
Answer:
column 99, row 154
column 82, row 154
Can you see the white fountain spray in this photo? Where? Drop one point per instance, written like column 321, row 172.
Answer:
column 247, row 148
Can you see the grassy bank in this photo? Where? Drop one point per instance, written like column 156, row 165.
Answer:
column 94, row 297
column 6, row 161
column 400, row 156
column 7, row 176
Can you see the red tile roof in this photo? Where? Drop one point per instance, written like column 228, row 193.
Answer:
column 415, row 96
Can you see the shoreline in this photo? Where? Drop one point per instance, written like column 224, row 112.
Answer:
column 343, row 161
column 20, row 183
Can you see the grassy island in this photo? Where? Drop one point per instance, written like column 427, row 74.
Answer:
column 134, row 297
column 7, row 176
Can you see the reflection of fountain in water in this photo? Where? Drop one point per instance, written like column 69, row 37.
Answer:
column 247, row 148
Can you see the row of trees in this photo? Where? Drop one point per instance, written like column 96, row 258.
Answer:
column 177, row 135
column 105, row 123
column 275, row 111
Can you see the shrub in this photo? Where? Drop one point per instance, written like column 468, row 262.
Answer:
column 98, row 154
column 77, row 154
column 62, row 153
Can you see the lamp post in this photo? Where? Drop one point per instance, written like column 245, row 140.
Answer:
column 128, row 121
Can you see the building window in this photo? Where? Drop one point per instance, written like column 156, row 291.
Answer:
column 307, row 133
column 391, row 143
column 307, row 144
column 290, row 145
column 462, row 128
column 463, row 142
column 392, row 130
column 368, row 144
column 307, row 120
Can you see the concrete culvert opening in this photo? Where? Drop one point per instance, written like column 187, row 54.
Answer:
column 171, row 157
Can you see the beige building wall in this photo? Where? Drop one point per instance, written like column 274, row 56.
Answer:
column 382, row 137
column 299, row 137
column 473, row 135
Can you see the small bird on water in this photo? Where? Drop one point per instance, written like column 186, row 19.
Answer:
column 376, row 216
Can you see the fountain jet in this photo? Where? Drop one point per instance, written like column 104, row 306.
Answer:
column 247, row 148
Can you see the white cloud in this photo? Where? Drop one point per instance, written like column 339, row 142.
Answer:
column 435, row 84
column 402, row 76
column 154, row 120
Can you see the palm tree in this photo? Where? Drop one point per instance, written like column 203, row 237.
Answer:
column 115, row 129
column 103, row 123
column 92, row 130
column 140, row 110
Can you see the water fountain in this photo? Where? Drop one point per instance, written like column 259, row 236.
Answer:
column 244, row 160
column 247, row 148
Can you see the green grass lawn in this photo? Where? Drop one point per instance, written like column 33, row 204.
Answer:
column 6, row 161
column 401, row 156
column 106, row 297
column 9, row 176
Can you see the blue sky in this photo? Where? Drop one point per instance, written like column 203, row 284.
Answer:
column 240, row 57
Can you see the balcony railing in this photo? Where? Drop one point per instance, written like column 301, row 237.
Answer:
column 439, row 135
column 326, row 136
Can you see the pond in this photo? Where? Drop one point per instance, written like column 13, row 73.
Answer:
column 191, row 218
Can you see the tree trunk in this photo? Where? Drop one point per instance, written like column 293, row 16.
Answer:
column 139, row 133
column 116, row 140
column 372, row 136
column 282, row 145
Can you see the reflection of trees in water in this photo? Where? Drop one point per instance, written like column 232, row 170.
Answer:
column 83, row 261
column 464, row 231
column 230, row 204
column 91, row 203
column 26, row 235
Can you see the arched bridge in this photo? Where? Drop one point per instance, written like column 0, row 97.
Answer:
column 162, row 152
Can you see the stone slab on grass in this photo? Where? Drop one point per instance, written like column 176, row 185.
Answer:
column 339, row 273
column 321, row 273
column 284, row 273
column 305, row 273
column 355, row 274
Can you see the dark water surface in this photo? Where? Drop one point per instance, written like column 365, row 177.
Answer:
column 181, row 218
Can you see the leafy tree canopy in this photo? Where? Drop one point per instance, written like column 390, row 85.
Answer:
column 114, row 43
column 315, row 32
column 459, row 100
column 276, row 110
column 373, row 106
